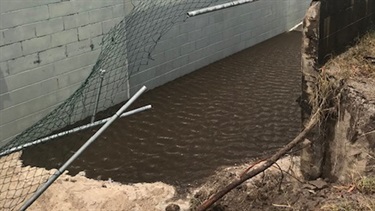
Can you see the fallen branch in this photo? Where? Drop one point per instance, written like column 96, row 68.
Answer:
column 265, row 165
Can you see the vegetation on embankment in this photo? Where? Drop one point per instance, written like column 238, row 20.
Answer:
column 357, row 61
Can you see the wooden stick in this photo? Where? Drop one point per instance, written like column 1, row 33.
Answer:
column 265, row 165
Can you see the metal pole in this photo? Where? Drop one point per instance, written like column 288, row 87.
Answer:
column 43, row 188
column 77, row 129
column 102, row 72
column 218, row 7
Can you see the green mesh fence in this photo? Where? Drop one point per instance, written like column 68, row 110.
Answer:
column 125, row 48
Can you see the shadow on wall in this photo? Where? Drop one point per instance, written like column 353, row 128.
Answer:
column 4, row 94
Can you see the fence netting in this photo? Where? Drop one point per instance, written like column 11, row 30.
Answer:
column 124, row 49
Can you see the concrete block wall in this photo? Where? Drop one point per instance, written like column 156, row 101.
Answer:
column 204, row 39
column 47, row 48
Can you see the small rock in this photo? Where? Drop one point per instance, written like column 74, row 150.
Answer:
column 319, row 184
column 82, row 173
column 103, row 185
column 73, row 180
column 308, row 187
column 172, row 207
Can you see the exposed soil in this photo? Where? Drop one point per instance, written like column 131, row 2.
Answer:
column 284, row 189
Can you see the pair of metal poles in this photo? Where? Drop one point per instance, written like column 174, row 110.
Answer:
column 60, row 171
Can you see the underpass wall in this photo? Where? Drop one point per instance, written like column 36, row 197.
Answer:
column 207, row 38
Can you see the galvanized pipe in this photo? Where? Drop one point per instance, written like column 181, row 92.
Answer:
column 74, row 130
column 43, row 188
column 218, row 7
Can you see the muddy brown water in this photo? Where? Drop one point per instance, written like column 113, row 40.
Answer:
column 225, row 113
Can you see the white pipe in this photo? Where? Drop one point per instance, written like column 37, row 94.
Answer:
column 54, row 136
column 296, row 26
column 218, row 7
column 43, row 188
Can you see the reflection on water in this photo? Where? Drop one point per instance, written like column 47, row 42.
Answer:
column 222, row 114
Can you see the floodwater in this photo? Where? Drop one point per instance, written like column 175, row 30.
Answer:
column 233, row 110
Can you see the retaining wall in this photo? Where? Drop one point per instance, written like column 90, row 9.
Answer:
column 48, row 47
column 329, row 28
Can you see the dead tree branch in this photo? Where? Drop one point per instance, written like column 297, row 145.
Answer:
column 265, row 165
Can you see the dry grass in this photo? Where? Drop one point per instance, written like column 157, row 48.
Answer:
column 366, row 185
column 353, row 62
column 350, row 199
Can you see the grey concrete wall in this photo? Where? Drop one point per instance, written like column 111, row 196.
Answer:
column 48, row 47
column 207, row 38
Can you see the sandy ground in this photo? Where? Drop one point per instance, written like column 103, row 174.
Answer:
column 80, row 193
column 18, row 182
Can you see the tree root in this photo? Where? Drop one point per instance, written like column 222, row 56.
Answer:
column 263, row 166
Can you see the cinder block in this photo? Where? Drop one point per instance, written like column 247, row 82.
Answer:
column 79, row 47
column 82, row 5
column 195, row 35
column 50, row 26
column 171, row 54
column 96, row 42
column 201, row 43
column 61, row 9
column 180, row 61
column 22, row 95
column 64, row 93
column 217, row 37
column 180, row 39
column 101, row 14
column 11, row 5
column 91, row 30
column 216, row 17
column 7, row 131
column 187, row 26
column 64, row 37
column 52, row 55
column 214, row 28
column 109, row 24
column 36, row 44
column 76, row 20
column 141, row 77
column 74, row 77
column 201, row 21
column 24, row 16
column 4, row 69
column 2, row 40
column 29, row 77
column 187, row 48
column 118, row 11
column 10, row 51
column 27, row 108
column 23, row 63
column 48, row 86
column 19, row 33
column 76, row 62
column 70, row 21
